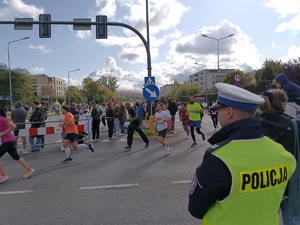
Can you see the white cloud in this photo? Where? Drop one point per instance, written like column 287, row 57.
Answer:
column 288, row 10
column 17, row 8
column 275, row 45
column 284, row 8
column 163, row 15
column 293, row 53
column 42, row 48
column 233, row 51
column 126, row 79
column 37, row 70
column 83, row 34
column 107, row 7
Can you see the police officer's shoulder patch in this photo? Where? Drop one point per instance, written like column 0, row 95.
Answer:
column 193, row 184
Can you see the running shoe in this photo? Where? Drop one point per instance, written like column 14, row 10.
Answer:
column 127, row 148
column 167, row 151
column 194, row 145
column 67, row 160
column 147, row 144
column 91, row 147
column 3, row 178
column 28, row 172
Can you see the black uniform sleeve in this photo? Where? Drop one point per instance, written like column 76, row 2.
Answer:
column 211, row 182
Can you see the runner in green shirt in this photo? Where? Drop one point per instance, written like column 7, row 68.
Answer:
column 194, row 110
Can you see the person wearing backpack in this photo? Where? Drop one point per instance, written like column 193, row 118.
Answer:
column 37, row 120
column 278, row 126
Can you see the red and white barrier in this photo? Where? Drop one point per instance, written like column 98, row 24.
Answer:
column 27, row 132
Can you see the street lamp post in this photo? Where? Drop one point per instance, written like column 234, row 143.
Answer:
column 218, row 46
column 206, row 73
column 69, row 83
column 9, row 70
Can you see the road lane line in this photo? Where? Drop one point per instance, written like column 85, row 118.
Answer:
column 181, row 182
column 109, row 186
column 15, row 192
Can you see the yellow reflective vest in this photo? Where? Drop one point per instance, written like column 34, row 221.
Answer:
column 260, row 170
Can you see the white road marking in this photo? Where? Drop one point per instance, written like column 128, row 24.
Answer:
column 15, row 192
column 181, row 182
column 109, row 186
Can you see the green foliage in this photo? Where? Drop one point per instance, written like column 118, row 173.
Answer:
column 94, row 90
column 110, row 82
column 183, row 91
column 269, row 70
column 75, row 93
column 245, row 78
column 22, row 89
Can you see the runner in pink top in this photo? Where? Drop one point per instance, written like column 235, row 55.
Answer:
column 9, row 146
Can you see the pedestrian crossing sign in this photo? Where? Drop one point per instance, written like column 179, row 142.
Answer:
column 149, row 80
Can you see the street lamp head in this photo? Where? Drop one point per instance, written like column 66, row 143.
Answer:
column 204, row 35
column 24, row 38
column 230, row 35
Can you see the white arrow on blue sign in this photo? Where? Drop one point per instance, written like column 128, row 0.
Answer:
column 151, row 92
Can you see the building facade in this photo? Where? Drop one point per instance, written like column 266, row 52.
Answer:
column 166, row 89
column 45, row 85
column 207, row 78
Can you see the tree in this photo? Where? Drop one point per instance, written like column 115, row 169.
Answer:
column 75, row 95
column 230, row 77
column 292, row 70
column 95, row 90
column 109, row 82
column 22, row 89
column 184, row 91
column 269, row 70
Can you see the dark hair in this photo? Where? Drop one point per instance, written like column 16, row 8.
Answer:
column 65, row 107
column 2, row 113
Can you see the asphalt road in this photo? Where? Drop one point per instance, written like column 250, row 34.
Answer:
column 105, row 187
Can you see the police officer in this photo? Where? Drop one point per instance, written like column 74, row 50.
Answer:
column 243, row 175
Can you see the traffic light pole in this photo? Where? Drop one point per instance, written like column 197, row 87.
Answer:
column 116, row 24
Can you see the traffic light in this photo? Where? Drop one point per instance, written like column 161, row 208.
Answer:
column 45, row 29
column 101, row 30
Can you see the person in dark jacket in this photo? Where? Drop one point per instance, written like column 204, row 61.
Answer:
column 173, row 108
column 291, row 89
column 96, row 115
column 225, row 188
column 134, row 126
column 74, row 111
column 37, row 120
column 110, row 119
column 278, row 126
column 18, row 116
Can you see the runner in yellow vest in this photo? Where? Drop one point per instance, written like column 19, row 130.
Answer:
column 243, row 175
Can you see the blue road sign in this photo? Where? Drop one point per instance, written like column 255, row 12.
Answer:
column 149, row 80
column 151, row 92
column 5, row 97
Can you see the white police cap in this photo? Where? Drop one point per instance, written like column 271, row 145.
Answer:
column 236, row 97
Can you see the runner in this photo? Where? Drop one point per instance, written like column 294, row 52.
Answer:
column 71, row 135
column 184, row 118
column 194, row 110
column 161, row 118
column 8, row 146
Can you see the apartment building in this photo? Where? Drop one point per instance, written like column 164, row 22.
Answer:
column 166, row 89
column 207, row 78
column 45, row 85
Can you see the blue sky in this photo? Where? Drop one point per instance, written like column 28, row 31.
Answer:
column 262, row 30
